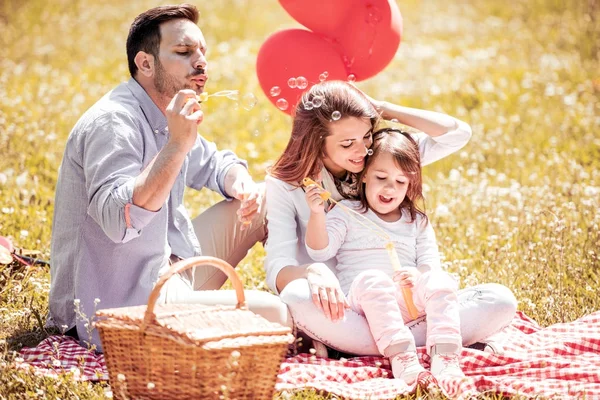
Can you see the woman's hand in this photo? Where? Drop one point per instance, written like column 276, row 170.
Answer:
column 406, row 277
column 314, row 200
column 378, row 104
column 326, row 291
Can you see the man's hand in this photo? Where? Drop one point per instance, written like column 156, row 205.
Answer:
column 406, row 277
column 183, row 117
column 250, row 194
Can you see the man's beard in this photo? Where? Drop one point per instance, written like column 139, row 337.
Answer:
column 165, row 83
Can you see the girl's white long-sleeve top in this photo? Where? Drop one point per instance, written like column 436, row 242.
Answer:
column 288, row 212
column 359, row 245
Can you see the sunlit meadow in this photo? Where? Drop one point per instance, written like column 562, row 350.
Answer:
column 518, row 205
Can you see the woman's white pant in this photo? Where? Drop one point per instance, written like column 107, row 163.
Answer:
column 484, row 310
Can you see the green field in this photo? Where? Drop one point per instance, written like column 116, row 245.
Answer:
column 518, row 205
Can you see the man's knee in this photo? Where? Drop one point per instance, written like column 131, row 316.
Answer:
column 259, row 298
column 268, row 306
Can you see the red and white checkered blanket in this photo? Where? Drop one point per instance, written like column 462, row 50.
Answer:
column 60, row 354
column 560, row 360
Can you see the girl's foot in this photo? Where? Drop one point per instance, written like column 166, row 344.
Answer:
column 445, row 361
column 406, row 366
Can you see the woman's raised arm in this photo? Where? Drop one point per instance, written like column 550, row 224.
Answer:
column 440, row 134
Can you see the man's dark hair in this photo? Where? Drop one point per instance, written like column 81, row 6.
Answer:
column 144, row 34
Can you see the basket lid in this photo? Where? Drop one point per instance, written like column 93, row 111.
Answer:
column 192, row 323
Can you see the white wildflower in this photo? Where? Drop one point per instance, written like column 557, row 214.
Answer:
column 454, row 175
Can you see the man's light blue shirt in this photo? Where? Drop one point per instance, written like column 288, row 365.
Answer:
column 103, row 246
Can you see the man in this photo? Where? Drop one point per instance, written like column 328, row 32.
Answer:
column 119, row 218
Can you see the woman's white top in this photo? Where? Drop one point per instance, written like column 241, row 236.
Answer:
column 288, row 212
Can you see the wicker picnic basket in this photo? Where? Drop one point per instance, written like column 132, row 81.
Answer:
column 191, row 351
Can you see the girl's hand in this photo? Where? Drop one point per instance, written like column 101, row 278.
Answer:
column 326, row 291
column 406, row 277
column 314, row 200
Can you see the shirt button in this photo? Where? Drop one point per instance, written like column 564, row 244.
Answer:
column 156, row 131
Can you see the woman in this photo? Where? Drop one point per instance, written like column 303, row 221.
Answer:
column 329, row 143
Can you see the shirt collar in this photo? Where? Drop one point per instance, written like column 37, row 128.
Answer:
column 154, row 116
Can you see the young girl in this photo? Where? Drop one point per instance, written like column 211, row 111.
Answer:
column 390, row 186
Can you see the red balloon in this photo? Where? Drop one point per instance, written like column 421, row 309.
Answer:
column 320, row 16
column 295, row 53
column 370, row 37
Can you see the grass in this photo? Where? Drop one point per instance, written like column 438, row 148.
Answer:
column 519, row 205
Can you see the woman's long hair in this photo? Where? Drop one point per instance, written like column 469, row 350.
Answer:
column 405, row 151
column 304, row 152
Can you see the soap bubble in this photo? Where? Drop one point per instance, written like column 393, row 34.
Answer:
column 394, row 120
column 351, row 78
column 282, row 104
column 292, row 83
column 248, row 101
column 275, row 91
column 323, row 76
column 301, row 82
column 317, row 101
column 309, row 105
column 336, row 115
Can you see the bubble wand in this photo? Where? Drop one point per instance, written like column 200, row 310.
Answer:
column 406, row 292
column 230, row 94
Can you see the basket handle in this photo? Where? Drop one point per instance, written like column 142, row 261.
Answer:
column 186, row 264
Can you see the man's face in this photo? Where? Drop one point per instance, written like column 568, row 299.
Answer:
column 181, row 62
